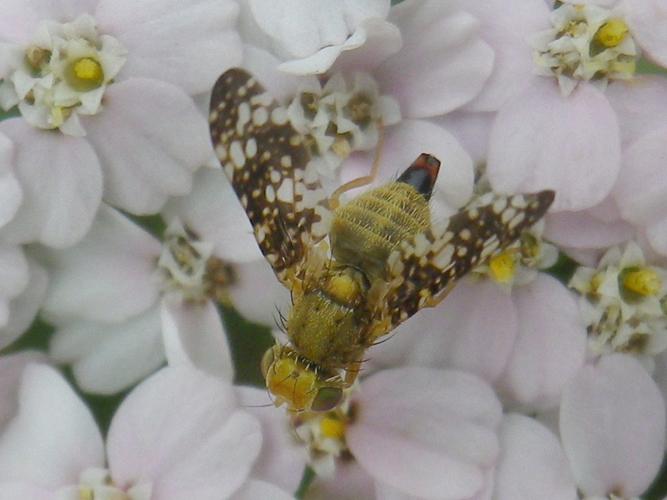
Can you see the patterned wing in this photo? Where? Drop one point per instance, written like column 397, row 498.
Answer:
column 270, row 168
column 434, row 260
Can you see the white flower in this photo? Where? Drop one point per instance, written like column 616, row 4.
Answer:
column 178, row 435
column 115, row 79
column 122, row 299
column 623, row 303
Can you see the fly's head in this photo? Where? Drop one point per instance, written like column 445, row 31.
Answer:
column 300, row 384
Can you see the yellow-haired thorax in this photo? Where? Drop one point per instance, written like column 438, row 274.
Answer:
column 366, row 230
column 326, row 324
column 299, row 383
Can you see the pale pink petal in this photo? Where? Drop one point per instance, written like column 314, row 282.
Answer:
column 257, row 294
column 641, row 191
column 20, row 19
column 282, row 459
column 472, row 330
column 150, row 138
column 14, row 271
column 385, row 492
column 254, row 489
column 350, row 482
column 443, row 63
column 62, row 185
column 550, row 347
column 11, row 371
column 374, row 40
column 582, row 230
column 302, row 27
column 53, row 437
column 647, row 20
column 472, row 130
column 264, row 66
column 108, row 276
column 12, row 491
column 185, row 43
column 195, row 336
column 215, row 214
column 612, row 423
column 641, row 104
column 532, row 463
column 24, row 307
column 426, row 432
column 542, row 140
column 660, row 376
column 124, row 353
column 195, row 443
column 657, row 236
column 403, row 143
column 506, row 25
column 10, row 190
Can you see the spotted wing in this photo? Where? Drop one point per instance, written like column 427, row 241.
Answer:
column 434, row 260
column 270, row 168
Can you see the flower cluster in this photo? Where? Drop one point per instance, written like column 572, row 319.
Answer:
column 127, row 261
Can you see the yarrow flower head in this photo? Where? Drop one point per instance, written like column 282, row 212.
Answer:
column 587, row 42
column 624, row 303
column 62, row 73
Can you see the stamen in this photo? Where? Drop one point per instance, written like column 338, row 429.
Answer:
column 502, row 267
column 332, row 428
column 612, row 33
column 643, row 281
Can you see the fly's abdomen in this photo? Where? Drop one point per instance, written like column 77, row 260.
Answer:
column 366, row 230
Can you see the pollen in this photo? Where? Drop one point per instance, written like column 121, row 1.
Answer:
column 85, row 74
column 502, row 267
column 332, row 428
column 643, row 281
column 612, row 33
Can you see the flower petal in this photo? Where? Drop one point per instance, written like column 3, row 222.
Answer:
column 459, row 61
column 302, row 27
column 428, row 433
column 195, row 336
column 12, row 491
column 53, row 437
column 550, row 347
column 108, row 276
column 254, row 489
column 610, row 412
column 120, row 354
column 62, row 185
column 21, row 19
column 582, row 230
column 647, row 20
column 641, row 104
column 11, row 371
column 532, row 463
column 215, row 214
column 264, row 66
column 24, row 307
column 11, row 193
column 282, row 459
column 472, row 130
column 150, row 138
column 195, row 445
column 641, row 190
column 506, row 26
column 541, row 139
column 185, row 43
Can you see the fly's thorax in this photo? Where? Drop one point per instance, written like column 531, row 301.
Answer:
column 366, row 230
column 300, row 384
column 326, row 323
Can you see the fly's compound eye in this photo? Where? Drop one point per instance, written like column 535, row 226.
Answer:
column 327, row 398
column 267, row 361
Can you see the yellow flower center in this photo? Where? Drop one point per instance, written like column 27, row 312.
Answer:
column 85, row 74
column 643, row 281
column 502, row 267
column 332, row 428
column 612, row 33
